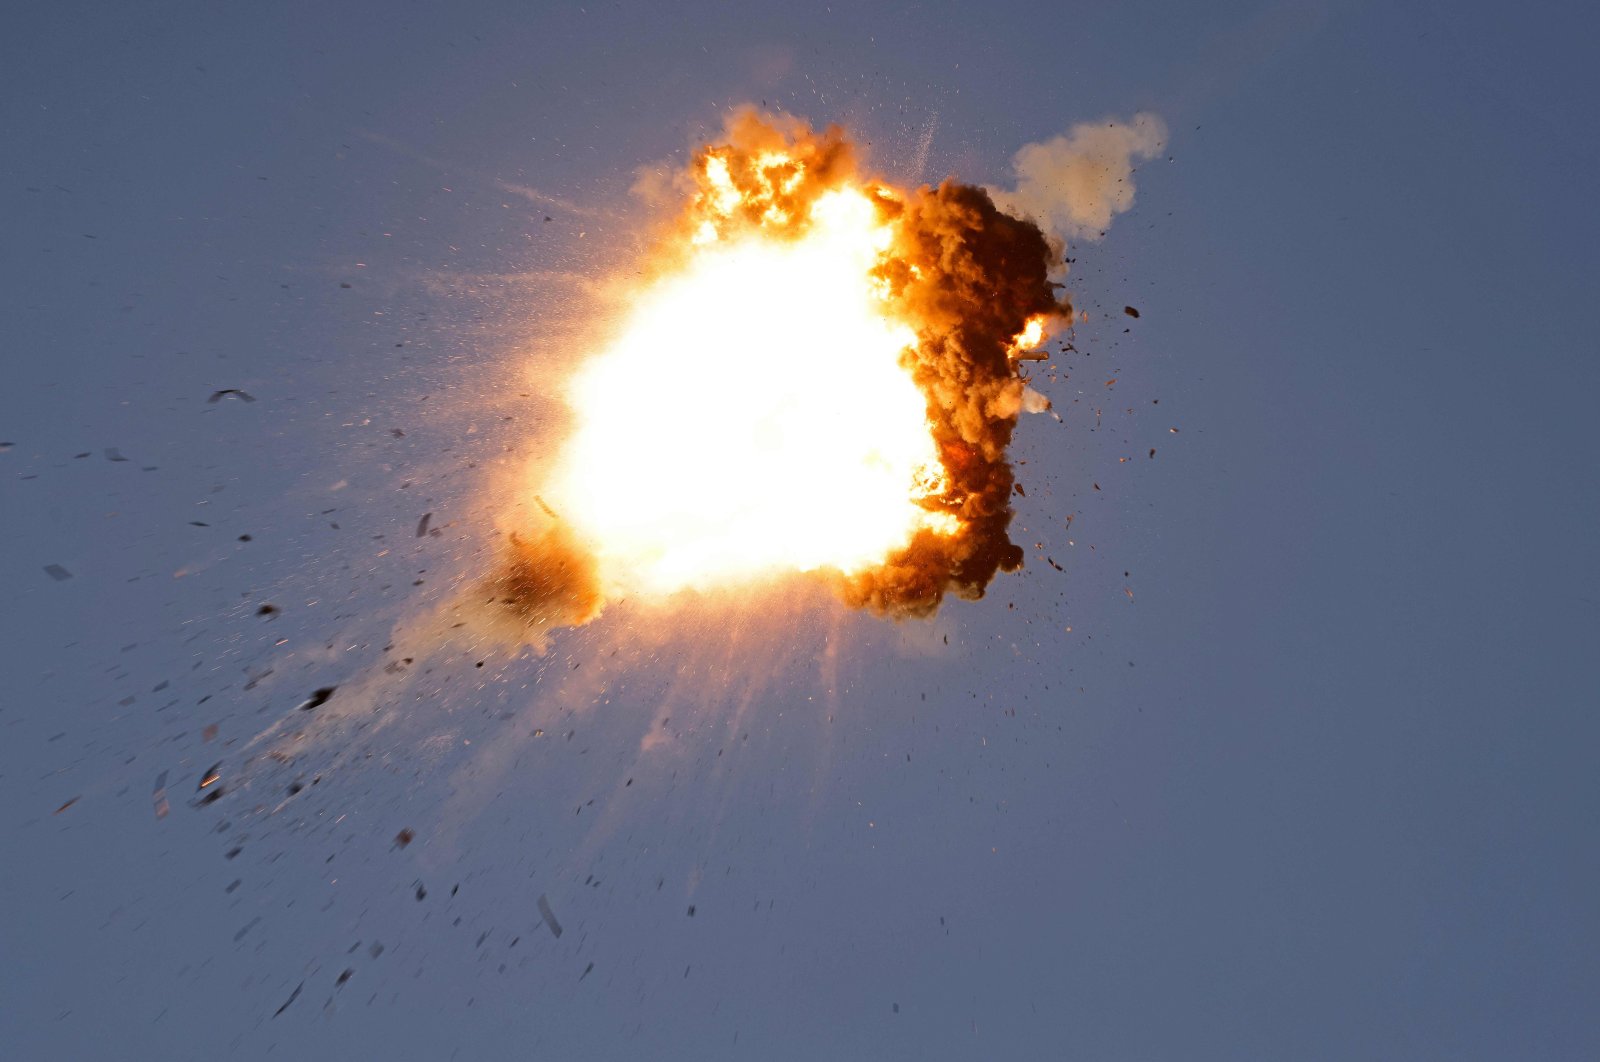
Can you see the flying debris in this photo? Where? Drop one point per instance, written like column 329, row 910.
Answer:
column 230, row 392
column 292, row 997
column 57, row 572
column 159, row 796
column 549, row 916
column 1130, row 311
column 318, row 698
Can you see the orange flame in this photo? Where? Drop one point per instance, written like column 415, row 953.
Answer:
column 763, row 374
column 821, row 377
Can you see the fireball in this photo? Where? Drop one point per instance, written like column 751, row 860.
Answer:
column 822, row 376
column 753, row 416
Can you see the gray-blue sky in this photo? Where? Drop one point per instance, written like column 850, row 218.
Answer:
column 1323, row 788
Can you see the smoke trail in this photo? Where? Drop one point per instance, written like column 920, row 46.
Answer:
column 1076, row 183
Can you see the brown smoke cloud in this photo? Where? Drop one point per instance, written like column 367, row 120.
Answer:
column 1074, row 184
column 966, row 274
column 546, row 580
column 971, row 277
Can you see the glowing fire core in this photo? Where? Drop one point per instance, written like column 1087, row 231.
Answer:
column 754, row 415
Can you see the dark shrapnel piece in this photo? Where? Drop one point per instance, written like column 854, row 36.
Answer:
column 549, row 916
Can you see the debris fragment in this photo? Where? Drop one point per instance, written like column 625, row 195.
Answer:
column 243, row 396
column 549, row 916
column 209, row 734
column 422, row 525
column 210, row 778
column 586, row 971
column 318, row 698
column 1130, row 311
column 67, row 805
column 160, row 796
column 57, row 572
column 403, row 838
column 292, row 997
column 114, row 454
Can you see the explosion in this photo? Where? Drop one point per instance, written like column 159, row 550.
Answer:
column 821, row 376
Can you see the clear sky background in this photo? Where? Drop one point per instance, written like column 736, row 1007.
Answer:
column 1323, row 786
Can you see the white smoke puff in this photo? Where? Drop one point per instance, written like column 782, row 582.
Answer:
column 1033, row 401
column 1076, row 183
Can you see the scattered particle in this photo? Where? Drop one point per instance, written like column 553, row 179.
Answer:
column 209, row 734
column 67, row 805
column 691, row 910
column 403, row 838
column 1131, row 312
column 318, row 698
column 292, row 997
column 345, row 976
column 114, row 454
column 267, row 610
column 422, row 892
column 57, row 572
column 549, row 916
column 422, row 525
column 230, row 392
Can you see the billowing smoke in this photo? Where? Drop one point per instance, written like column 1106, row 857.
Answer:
column 971, row 277
column 956, row 280
column 1076, row 183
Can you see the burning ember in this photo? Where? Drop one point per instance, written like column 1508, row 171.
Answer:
column 822, row 377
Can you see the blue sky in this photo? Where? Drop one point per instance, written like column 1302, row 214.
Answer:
column 1323, row 787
